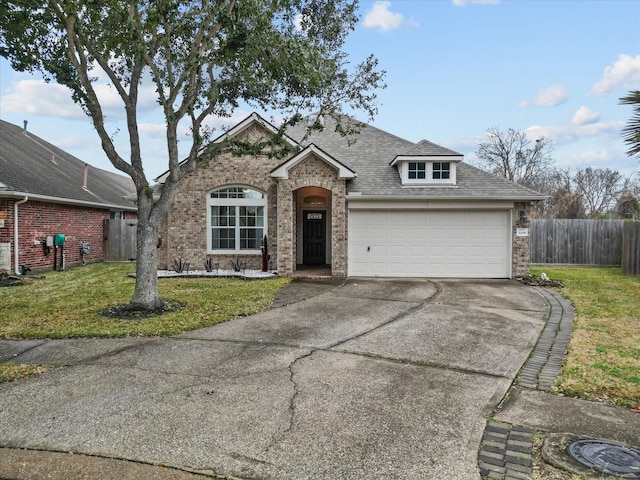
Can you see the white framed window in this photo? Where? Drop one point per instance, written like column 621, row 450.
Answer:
column 441, row 171
column 417, row 170
column 237, row 220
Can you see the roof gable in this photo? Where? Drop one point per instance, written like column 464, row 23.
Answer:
column 31, row 166
column 282, row 170
column 238, row 129
column 253, row 119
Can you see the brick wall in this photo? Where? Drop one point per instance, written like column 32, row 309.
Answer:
column 312, row 172
column 37, row 220
column 185, row 231
column 521, row 248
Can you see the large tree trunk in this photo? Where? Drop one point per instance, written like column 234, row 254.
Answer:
column 145, row 294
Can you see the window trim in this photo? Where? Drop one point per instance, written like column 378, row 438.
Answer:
column 428, row 181
column 440, row 171
column 236, row 203
column 419, row 168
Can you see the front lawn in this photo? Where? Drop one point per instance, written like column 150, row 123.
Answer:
column 603, row 359
column 68, row 304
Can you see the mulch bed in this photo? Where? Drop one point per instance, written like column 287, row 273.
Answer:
column 134, row 312
column 541, row 282
column 7, row 281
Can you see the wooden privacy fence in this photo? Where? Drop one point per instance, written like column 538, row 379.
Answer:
column 631, row 249
column 119, row 243
column 577, row 242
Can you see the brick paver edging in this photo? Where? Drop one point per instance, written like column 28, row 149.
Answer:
column 505, row 450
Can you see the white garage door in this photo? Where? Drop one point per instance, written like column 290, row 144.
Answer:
column 453, row 244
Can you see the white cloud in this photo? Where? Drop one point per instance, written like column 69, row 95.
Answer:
column 462, row 3
column 297, row 23
column 37, row 97
column 569, row 133
column 549, row 97
column 625, row 73
column 593, row 158
column 585, row 116
column 382, row 18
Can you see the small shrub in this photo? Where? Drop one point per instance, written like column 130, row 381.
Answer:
column 238, row 265
column 180, row 265
column 210, row 265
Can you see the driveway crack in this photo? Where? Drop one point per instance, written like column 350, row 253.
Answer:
column 393, row 319
column 292, row 400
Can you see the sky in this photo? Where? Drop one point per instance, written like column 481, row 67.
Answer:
column 454, row 68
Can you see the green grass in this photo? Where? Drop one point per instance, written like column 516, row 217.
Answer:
column 603, row 359
column 68, row 304
column 9, row 372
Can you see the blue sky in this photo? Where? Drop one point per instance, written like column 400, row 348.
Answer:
column 454, row 69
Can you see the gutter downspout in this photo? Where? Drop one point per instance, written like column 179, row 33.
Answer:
column 15, row 233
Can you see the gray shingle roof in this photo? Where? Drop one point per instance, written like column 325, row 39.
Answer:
column 373, row 150
column 32, row 166
column 427, row 148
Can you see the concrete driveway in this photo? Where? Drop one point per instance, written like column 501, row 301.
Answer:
column 374, row 379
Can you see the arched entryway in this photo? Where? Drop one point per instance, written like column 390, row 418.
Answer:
column 313, row 228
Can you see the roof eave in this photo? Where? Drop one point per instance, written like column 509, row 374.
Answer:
column 426, row 158
column 511, row 198
column 66, row 201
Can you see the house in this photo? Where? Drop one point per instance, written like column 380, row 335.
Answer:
column 45, row 191
column 382, row 206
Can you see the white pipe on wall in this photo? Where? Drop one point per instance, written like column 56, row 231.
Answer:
column 15, row 233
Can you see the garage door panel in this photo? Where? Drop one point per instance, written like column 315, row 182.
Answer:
column 429, row 244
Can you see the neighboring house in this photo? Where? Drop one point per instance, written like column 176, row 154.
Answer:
column 52, row 192
column 381, row 206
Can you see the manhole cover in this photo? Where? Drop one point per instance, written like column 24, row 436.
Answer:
column 609, row 458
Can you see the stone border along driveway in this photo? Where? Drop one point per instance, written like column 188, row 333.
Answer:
column 505, row 450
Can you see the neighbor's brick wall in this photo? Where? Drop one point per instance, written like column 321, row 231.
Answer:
column 312, row 172
column 185, row 231
column 41, row 219
column 521, row 249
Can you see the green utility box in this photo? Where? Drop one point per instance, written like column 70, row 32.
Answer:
column 58, row 239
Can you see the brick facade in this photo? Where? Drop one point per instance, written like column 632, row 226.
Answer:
column 185, row 231
column 37, row 220
column 312, row 172
column 521, row 246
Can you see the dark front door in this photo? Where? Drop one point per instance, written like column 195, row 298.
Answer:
column 314, row 233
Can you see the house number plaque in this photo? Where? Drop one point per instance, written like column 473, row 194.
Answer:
column 314, row 216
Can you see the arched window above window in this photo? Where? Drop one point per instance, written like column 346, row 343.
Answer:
column 237, row 192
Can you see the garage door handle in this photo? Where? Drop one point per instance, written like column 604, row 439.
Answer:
column 368, row 249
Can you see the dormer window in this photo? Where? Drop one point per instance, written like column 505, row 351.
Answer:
column 426, row 173
column 441, row 171
column 426, row 164
column 417, row 170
